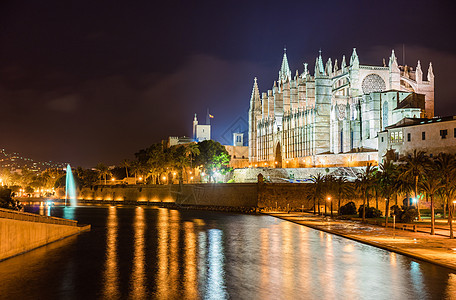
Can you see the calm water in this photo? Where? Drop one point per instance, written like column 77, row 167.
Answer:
column 145, row 252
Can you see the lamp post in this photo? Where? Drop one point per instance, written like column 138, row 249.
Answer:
column 326, row 205
column 331, row 203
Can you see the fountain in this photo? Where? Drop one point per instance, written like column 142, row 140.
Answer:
column 70, row 187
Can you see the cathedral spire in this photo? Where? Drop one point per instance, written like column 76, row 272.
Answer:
column 284, row 72
column 329, row 67
column 354, row 60
column 335, row 66
column 319, row 69
column 430, row 75
column 418, row 73
column 304, row 74
column 255, row 92
column 393, row 62
column 343, row 65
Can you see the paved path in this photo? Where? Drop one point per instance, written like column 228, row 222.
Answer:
column 437, row 249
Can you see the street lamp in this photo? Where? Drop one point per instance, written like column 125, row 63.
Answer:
column 328, row 199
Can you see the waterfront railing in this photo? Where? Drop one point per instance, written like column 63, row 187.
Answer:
column 30, row 217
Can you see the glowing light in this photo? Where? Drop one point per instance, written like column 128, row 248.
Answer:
column 113, row 179
column 203, row 174
column 190, row 172
column 164, row 177
column 191, row 178
column 140, row 178
column 174, row 174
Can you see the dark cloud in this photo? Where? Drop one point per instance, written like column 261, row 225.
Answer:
column 67, row 103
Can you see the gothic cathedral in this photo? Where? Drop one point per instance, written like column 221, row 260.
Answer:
column 333, row 117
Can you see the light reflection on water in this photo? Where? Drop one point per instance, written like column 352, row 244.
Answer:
column 111, row 288
column 144, row 252
column 138, row 278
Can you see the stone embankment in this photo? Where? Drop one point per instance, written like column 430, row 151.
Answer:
column 21, row 232
column 242, row 196
column 437, row 249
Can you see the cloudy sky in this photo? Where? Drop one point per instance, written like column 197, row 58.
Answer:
column 95, row 81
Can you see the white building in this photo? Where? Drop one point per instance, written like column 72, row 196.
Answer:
column 201, row 132
column 321, row 120
column 431, row 135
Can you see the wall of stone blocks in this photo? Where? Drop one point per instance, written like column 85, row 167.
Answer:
column 20, row 236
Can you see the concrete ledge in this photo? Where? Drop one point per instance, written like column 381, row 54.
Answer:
column 18, row 236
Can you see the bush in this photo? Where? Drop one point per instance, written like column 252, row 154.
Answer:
column 6, row 201
column 371, row 212
column 348, row 209
column 406, row 214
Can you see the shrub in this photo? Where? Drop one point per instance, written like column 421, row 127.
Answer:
column 406, row 214
column 371, row 212
column 348, row 209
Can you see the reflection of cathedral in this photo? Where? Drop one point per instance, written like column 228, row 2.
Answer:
column 306, row 120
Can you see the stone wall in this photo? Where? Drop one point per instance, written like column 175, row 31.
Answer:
column 217, row 194
column 268, row 195
column 18, row 236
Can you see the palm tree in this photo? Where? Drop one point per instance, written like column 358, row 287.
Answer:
column 134, row 168
column 126, row 163
column 431, row 184
column 317, row 189
column 446, row 164
column 364, row 183
column 415, row 169
column 342, row 189
column 386, row 181
column 103, row 171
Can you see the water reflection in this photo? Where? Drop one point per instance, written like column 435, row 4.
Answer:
column 138, row 278
column 216, row 288
column 190, row 263
column 172, row 254
column 68, row 212
column 111, row 284
column 162, row 243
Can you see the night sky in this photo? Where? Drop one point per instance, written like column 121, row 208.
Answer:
column 95, row 81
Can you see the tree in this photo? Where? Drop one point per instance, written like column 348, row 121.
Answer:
column 364, row 184
column 192, row 150
column 103, row 171
column 317, row 190
column 126, row 163
column 446, row 164
column 414, row 169
column 430, row 185
column 386, row 180
column 342, row 189
column 213, row 157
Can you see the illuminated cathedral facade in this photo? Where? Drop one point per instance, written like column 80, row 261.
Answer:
column 333, row 117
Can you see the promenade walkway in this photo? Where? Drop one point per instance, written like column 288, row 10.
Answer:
column 437, row 249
